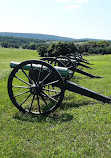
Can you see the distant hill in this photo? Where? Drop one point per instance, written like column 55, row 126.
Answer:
column 46, row 37
column 37, row 36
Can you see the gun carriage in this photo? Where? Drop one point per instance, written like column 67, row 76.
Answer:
column 71, row 64
column 37, row 86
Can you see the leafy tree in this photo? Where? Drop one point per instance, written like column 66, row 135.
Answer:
column 109, row 49
column 24, row 46
column 16, row 46
column 32, row 46
column 61, row 48
column 42, row 50
column 5, row 44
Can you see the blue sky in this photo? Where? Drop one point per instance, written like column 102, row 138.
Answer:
column 68, row 18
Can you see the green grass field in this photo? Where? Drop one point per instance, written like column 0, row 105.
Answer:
column 81, row 127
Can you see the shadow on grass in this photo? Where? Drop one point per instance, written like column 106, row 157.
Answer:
column 76, row 79
column 54, row 117
column 60, row 115
column 73, row 104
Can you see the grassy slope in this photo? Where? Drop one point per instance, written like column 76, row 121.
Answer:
column 81, row 127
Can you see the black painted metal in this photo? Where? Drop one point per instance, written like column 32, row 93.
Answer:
column 38, row 91
column 86, row 62
column 79, row 59
column 73, row 87
column 86, row 73
column 46, row 84
column 73, row 66
column 80, row 64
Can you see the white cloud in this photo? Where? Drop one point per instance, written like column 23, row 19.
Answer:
column 82, row 1
column 72, row 7
column 76, row 1
column 62, row 1
column 72, row 4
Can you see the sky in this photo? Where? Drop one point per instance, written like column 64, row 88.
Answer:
column 67, row 18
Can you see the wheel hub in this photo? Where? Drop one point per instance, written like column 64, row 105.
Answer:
column 35, row 89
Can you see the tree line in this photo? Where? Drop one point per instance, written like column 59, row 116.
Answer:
column 63, row 48
column 17, row 42
column 95, row 47
column 55, row 48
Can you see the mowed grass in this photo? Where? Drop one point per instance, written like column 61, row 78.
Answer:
column 81, row 127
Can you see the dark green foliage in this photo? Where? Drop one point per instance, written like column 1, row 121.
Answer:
column 32, row 46
column 16, row 46
column 42, row 50
column 51, row 48
column 61, row 48
column 93, row 47
column 16, row 42
column 5, row 44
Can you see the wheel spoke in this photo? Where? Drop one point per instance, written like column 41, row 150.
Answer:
column 49, row 97
column 50, row 83
column 20, row 87
column 70, row 67
column 51, row 90
column 27, row 76
column 54, row 89
column 55, row 63
column 39, row 74
column 48, row 88
column 38, row 77
column 22, row 80
column 32, row 102
column 33, row 73
column 25, row 100
column 42, row 97
column 51, row 61
column 46, row 77
column 38, row 104
column 67, row 64
column 21, row 94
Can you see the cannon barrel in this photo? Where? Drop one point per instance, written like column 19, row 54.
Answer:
column 62, row 70
column 73, row 87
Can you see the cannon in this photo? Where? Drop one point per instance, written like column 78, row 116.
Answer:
column 65, row 61
column 37, row 87
column 78, row 58
column 76, row 61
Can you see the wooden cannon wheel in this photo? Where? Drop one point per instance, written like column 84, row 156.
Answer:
column 68, row 64
column 39, row 90
column 62, row 61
